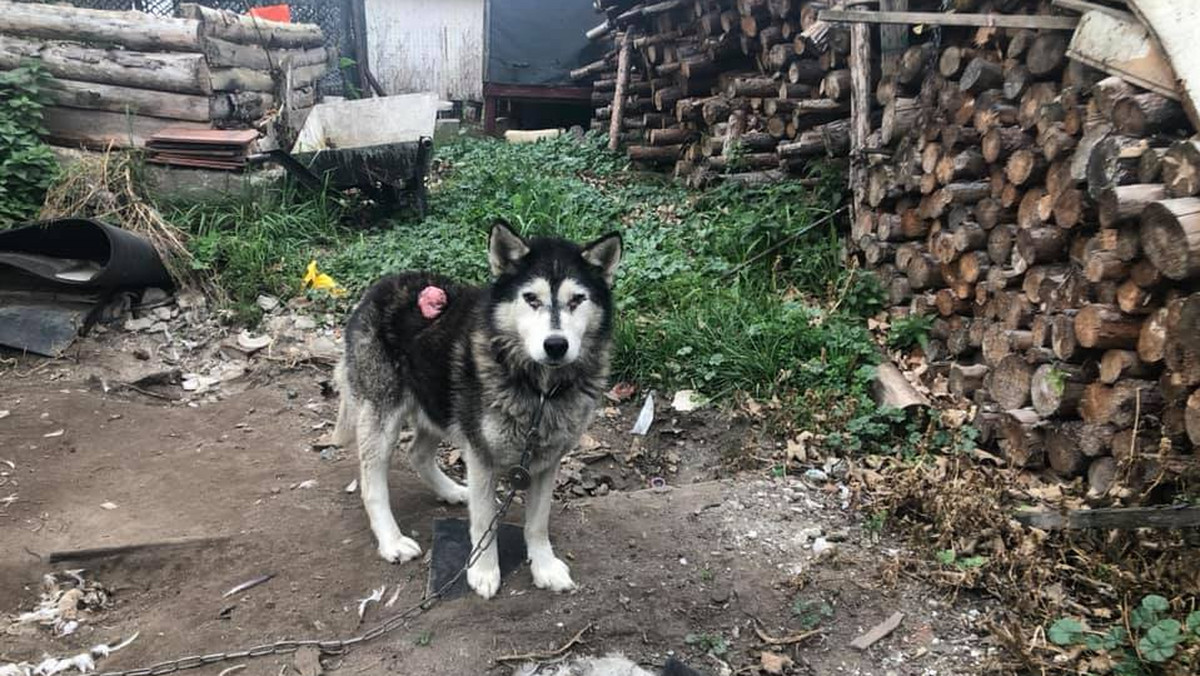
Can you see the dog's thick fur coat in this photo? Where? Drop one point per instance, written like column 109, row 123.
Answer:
column 475, row 375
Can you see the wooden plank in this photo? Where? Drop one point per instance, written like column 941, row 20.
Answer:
column 1123, row 47
column 117, row 99
column 1035, row 21
column 1115, row 518
column 98, row 130
column 1174, row 23
column 618, row 107
column 878, row 632
column 860, row 109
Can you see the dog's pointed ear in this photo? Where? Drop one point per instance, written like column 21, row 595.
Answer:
column 505, row 248
column 605, row 253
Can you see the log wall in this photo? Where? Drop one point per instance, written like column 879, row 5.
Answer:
column 118, row 77
column 1044, row 213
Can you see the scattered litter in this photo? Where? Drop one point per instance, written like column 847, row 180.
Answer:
column 4, row 414
column 251, row 343
column 8, row 499
column 816, row 475
column 317, row 280
column 248, row 584
column 822, row 546
column 352, row 486
column 878, row 632
column 55, row 433
column 620, row 392
column 774, row 663
column 307, row 483
column 392, row 599
column 229, row 670
column 108, row 505
column 645, row 417
column 375, row 597
column 83, row 662
column 10, row 463
column 658, row 483
column 686, row 401
column 267, row 303
column 66, row 600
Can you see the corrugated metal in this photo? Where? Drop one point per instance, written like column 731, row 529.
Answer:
column 427, row 45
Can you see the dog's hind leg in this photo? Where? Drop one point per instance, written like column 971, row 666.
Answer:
column 347, row 418
column 484, row 574
column 423, row 456
column 549, row 571
column 377, row 432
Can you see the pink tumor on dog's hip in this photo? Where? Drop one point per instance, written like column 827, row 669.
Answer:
column 431, row 301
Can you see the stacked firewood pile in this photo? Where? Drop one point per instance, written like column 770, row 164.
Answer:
column 120, row 77
column 1046, row 215
column 752, row 88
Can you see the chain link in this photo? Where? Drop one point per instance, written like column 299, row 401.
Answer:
column 339, row 646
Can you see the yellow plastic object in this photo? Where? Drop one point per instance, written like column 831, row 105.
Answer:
column 315, row 279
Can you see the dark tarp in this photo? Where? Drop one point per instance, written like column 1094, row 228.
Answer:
column 539, row 42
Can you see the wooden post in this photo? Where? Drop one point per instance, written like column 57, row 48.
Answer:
column 860, row 105
column 618, row 107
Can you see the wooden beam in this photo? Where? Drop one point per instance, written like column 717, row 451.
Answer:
column 1034, row 21
column 537, row 92
column 1082, row 6
column 893, row 39
column 1114, row 518
column 860, row 109
column 618, row 107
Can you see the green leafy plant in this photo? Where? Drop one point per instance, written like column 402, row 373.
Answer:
column 948, row 557
column 27, row 165
column 1159, row 643
column 424, row 638
column 709, row 643
column 809, row 613
column 910, row 331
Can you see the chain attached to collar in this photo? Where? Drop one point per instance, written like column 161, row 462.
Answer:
column 519, row 479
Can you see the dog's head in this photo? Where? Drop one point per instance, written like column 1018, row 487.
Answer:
column 552, row 296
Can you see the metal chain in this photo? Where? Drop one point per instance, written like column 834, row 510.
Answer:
column 339, row 646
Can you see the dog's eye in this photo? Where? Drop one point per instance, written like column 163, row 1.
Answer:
column 533, row 300
column 576, row 300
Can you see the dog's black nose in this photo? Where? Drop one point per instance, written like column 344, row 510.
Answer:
column 556, row 347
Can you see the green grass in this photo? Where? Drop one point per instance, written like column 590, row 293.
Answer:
column 721, row 291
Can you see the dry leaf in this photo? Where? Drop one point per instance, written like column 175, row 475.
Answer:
column 774, row 663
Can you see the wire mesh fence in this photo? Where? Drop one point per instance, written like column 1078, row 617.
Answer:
column 333, row 16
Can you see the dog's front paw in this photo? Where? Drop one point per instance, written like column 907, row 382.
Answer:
column 399, row 550
column 484, row 579
column 454, row 496
column 552, row 574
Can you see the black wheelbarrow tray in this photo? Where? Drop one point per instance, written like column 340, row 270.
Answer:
column 382, row 146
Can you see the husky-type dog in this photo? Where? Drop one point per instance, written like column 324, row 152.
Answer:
column 476, row 375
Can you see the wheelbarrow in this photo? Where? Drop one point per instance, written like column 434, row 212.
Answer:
column 381, row 146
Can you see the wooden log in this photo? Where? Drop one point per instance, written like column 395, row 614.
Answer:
column 117, row 99
column 620, row 92
column 999, row 342
column 222, row 53
column 1120, row 404
column 913, row 62
column 1001, row 240
column 1108, row 91
column 1181, row 169
column 1030, row 110
column 1105, row 327
column 1150, row 165
column 1057, row 388
column 1009, row 382
column 1144, row 274
column 1000, row 142
column 836, row 85
column 178, row 73
column 1062, row 448
column 654, row 154
column 981, row 74
column 963, row 166
column 899, row 118
column 101, row 130
column 1113, row 162
column 924, row 272
column 836, row 137
column 1041, row 245
column 246, row 29
column 953, row 60
column 1103, row 266
column 1046, row 54
column 132, row 30
column 1147, row 113
column 1181, row 351
column 1125, row 203
column 892, row 390
column 1134, row 299
column 1118, row 364
column 965, row 380
column 1069, row 208
column 1024, row 166
column 1152, row 337
column 1021, row 440
column 1062, row 337
column 1016, row 80
column 805, row 71
column 1192, row 419
column 1170, row 236
column 668, row 137
column 1056, row 142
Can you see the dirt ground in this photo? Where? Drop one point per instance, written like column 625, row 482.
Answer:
column 702, row 568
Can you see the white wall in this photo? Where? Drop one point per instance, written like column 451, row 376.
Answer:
column 427, row 45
